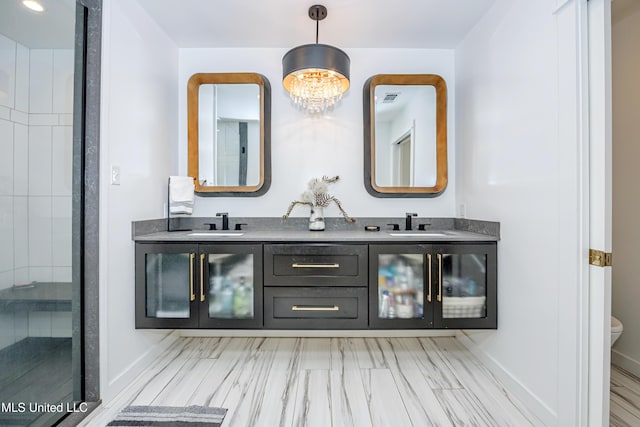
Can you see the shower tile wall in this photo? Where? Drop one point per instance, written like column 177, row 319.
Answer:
column 36, row 99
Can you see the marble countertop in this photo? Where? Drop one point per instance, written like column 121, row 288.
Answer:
column 296, row 230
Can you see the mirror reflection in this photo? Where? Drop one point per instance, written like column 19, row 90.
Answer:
column 228, row 133
column 405, row 135
column 405, row 129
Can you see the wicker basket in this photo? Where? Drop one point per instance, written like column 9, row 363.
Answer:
column 465, row 307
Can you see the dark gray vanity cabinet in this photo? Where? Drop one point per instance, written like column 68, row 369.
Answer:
column 441, row 286
column 422, row 285
column 315, row 286
column 181, row 285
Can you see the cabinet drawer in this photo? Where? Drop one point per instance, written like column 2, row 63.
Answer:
column 315, row 308
column 315, row 265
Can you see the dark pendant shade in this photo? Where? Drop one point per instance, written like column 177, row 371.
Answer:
column 316, row 56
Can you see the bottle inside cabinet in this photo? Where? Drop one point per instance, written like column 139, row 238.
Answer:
column 401, row 286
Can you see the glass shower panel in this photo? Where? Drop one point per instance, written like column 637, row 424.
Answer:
column 464, row 286
column 231, row 286
column 40, row 368
column 401, row 286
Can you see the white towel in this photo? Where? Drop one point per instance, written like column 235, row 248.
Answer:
column 181, row 195
column 180, row 209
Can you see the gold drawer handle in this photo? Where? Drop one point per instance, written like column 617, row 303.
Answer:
column 429, row 277
column 330, row 265
column 202, row 297
column 314, row 308
column 192, row 295
column 439, row 277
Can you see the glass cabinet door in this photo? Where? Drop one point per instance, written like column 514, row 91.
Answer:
column 466, row 285
column 165, row 290
column 231, row 287
column 399, row 294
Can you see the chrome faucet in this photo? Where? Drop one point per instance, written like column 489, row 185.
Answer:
column 225, row 219
column 407, row 225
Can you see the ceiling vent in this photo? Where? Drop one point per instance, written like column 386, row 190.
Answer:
column 389, row 97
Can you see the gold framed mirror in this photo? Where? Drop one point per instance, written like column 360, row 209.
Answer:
column 405, row 135
column 229, row 132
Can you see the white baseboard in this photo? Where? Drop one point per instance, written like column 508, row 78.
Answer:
column 116, row 388
column 625, row 362
column 526, row 396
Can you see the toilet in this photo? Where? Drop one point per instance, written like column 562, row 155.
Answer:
column 616, row 329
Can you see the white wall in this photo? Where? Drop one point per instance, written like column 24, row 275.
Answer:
column 304, row 147
column 138, row 133
column 626, row 197
column 517, row 160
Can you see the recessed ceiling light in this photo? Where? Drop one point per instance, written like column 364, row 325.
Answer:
column 33, row 5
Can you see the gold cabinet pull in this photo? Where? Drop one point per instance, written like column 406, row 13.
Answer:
column 314, row 308
column 429, row 277
column 192, row 295
column 439, row 277
column 202, row 277
column 321, row 265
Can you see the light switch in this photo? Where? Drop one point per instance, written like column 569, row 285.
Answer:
column 115, row 175
column 462, row 210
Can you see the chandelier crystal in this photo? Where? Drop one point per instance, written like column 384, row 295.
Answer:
column 316, row 90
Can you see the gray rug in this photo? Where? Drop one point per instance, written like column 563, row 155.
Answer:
column 190, row 416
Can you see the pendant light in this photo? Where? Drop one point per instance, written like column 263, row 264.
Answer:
column 316, row 75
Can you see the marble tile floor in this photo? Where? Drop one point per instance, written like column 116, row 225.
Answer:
column 327, row 382
column 625, row 399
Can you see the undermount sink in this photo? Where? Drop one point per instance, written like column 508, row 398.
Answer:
column 420, row 234
column 215, row 233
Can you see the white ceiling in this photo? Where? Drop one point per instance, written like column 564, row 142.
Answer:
column 285, row 23
column 52, row 29
column 275, row 23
